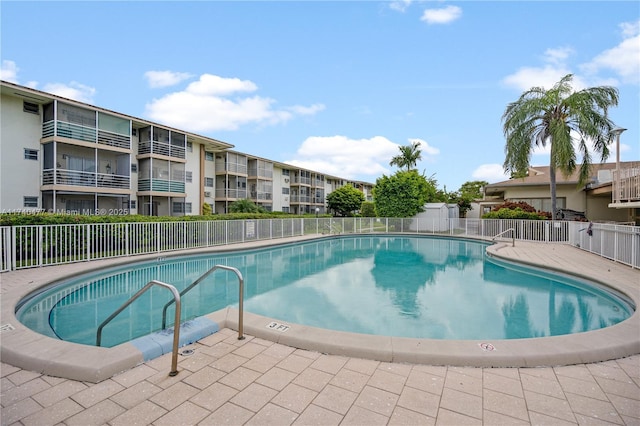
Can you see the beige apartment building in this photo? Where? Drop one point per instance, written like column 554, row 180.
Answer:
column 61, row 155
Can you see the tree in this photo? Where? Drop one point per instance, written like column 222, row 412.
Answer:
column 368, row 209
column 556, row 117
column 408, row 157
column 472, row 189
column 345, row 200
column 403, row 194
column 245, row 206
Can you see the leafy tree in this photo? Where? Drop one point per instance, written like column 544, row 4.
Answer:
column 245, row 206
column 403, row 194
column 206, row 209
column 556, row 117
column 368, row 209
column 345, row 200
column 408, row 157
column 472, row 189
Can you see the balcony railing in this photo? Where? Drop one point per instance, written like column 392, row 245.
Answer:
column 161, row 148
column 231, row 193
column 85, row 179
column 114, row 139
column 626, row 185
column 160, row 185
column 68, row 130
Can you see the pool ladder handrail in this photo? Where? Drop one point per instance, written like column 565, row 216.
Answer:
column 176, row 331
column 198, row 281
column 513, row 236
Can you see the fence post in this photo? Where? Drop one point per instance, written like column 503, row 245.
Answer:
column 14, row 244
column 40, row 254
column 87, row 237
column 159, row 236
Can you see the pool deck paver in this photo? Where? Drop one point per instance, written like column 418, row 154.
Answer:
column 258, row 382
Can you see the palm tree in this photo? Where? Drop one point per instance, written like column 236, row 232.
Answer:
column 408, row 157
column 557, row 117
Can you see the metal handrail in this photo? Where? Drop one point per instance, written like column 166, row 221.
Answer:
column 199, row 280
column 513, row 235
column 176, row 331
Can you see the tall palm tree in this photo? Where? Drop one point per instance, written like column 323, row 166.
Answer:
column 408, row 157
column 557, row 117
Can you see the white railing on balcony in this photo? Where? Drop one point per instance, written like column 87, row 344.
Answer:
column 41, row 245
column 161, row 148
column 114, row 139
column 231, row 193
column 626, row 185
column 85, row 179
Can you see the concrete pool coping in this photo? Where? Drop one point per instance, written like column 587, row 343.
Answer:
column 29, row 350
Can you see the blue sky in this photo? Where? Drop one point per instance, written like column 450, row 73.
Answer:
column 334, row 86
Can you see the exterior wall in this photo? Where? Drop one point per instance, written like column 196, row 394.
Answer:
column 598, row 210
column 19, row 177
column 193, row 188
column 574, row 199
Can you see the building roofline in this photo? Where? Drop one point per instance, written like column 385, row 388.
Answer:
column 45, row 96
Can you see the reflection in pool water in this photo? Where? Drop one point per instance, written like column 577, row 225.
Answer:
column 423, row 287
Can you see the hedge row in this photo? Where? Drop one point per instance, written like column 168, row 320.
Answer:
column 20, row 219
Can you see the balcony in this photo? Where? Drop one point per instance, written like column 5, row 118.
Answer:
column 161, row 148
column 160, row 185
column 235, row 194
column 84, row 179
column 69, row 131
column 626, row 188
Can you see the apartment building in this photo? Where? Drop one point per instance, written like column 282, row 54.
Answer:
column 61, row 155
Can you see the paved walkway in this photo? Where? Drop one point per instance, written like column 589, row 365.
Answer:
column 254, row 381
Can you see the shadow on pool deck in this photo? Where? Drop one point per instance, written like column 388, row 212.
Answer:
column 26, row 349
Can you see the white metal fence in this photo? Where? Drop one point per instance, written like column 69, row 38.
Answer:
column 41, row 245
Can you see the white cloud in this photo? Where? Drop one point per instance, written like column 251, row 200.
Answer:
column 557, row 55
column 623, row 59
column 165, row 78
column 9, row 71
column 545, row 76
column 444, row 15
column 73, row 90
column 491, row 173
column 352, row 158
column 400, row 5
column 207, row 105
column 342, row 156
column 425, row 148
column 310, row 110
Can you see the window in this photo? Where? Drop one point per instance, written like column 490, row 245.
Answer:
column 208, row 156
column 30, row 107
column 208, row 182
column 30, row 201
column 134, row 168
column 132, row 204
column 285, row 190
column 188, row 176
column 285, row 172
column 285, row 210
column 30, row 154
column 182, row 207
column 190, row 146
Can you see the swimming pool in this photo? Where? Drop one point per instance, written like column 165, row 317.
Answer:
column 419, row 287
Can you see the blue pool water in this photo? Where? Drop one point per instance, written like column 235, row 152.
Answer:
column 421, row 287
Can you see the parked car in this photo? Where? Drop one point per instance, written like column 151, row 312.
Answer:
column 568, row 214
